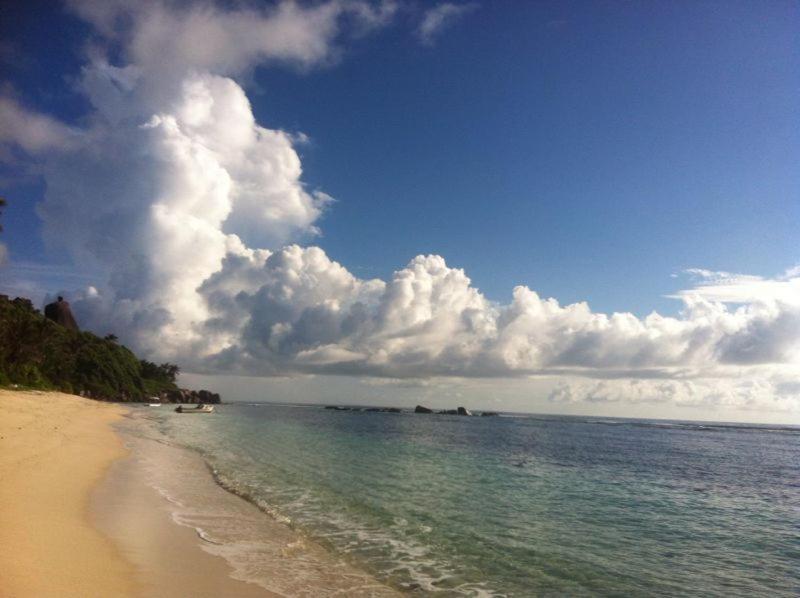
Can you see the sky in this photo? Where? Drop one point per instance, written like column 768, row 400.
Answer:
column 561, row 207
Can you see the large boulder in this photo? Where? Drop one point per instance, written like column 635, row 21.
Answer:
column 464, row 411
column 421, row 409
column 60, row 312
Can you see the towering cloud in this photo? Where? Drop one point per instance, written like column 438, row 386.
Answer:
column 187, row 203
column 173, row 172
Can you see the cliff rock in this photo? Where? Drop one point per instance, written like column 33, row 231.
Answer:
column 60, row 312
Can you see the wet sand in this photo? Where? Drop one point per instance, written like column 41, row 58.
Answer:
column 168, row 557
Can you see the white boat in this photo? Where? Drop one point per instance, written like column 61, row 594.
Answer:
column 199, row 409
column 154, row 404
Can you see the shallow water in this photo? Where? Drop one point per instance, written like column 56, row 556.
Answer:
column 518, row 506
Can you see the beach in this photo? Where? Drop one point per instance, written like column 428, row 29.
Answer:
column 94, row 503
column 63, row 475
column 53, row 449
column 287, row 500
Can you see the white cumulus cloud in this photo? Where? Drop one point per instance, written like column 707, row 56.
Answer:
column 297, row 309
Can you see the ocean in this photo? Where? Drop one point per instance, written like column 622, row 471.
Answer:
column 514, row 505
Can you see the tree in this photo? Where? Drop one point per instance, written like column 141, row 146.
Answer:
column 166, row 372
column 170, row 370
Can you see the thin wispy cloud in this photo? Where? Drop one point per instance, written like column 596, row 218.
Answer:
column 440, row 17
column 31, row 131
column 727, row 287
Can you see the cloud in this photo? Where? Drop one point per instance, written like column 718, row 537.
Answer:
column 158, row 203
column 726, row 287
column 172, row 172
column 36, row 280
column 296, row 310
column 168, row 38
column 196, row 216
column 743, row 390
column 441, row 16
column 31, row 131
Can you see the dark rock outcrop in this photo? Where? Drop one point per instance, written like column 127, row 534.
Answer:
column 364, row 409
column 421, row 409
column 489, row 414
column 60, row 313
column 459, row 411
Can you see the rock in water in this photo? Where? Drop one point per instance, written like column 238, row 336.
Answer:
column 60, row 312
column 464, row 411
column 421, row 409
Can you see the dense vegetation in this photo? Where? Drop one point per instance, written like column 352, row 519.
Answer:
column 38, row 353
column 158, row 378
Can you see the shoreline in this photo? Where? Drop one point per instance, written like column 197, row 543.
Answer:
column 167, row 557
column 66, row 483
column 256, row 550
column 92, row 504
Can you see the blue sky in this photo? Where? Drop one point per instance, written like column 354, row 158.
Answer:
column 588, row 151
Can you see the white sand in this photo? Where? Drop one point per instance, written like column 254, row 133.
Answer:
column 53, row 449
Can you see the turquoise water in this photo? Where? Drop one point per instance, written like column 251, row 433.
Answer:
column 521, row 506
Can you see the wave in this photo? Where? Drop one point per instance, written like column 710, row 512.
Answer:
column 412, row 562
column 399, row 561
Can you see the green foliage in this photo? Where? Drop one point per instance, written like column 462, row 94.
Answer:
column 158, row 378
column 38, row 353
column 166, row 372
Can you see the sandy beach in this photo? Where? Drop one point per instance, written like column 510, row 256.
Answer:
column 74, row 522
column 53, row 449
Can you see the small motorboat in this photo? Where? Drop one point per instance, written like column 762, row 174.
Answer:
column 199, row 409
